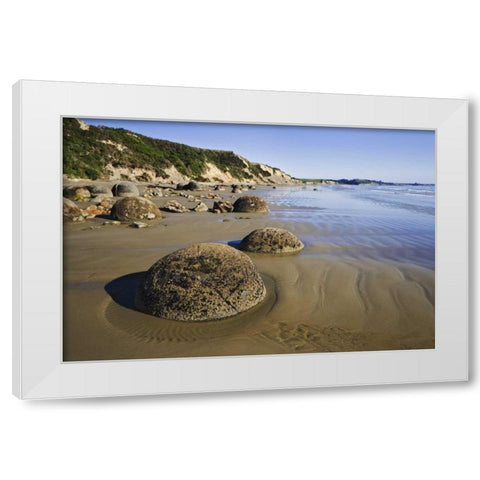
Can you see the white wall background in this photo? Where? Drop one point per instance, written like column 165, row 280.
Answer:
column 417, row 48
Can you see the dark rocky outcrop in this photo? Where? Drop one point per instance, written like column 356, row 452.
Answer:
column 135, row 208
column 203, row 282
column 71, row 213
column 271, row 240
column 250, row 204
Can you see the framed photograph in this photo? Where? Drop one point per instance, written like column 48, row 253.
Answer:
column 174, row 240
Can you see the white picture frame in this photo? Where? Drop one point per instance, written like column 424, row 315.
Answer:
column 38, row 369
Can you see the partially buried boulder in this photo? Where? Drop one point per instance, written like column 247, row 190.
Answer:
column 71, row 213
column 125, row 189
column 192, row 186
column 100, row 191
column 201, row 207
column 271, row 240
column 135, row 208
column 250, row 204
column 203, row 282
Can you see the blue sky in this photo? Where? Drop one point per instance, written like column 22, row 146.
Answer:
column 307, row 152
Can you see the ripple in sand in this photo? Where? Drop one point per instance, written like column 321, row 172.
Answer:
column 120, row 312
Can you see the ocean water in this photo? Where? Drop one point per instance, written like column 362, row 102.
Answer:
column 394, row 223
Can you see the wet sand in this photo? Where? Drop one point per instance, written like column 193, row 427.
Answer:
column 318, row 300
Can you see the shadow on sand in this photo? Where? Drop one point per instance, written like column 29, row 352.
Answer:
column 234, row 243
column 123, row 289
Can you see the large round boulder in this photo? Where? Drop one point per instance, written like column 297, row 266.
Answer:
column 100, row 191
column 134, row 208
column 125, row 189
column 192, row 186
column 71, row 213
column 271, row 240
column 250, row 204
column 206, row 281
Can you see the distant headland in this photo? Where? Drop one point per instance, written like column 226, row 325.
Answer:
column 358, row 181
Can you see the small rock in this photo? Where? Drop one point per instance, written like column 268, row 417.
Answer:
column 175, row 207
column 222, row 207
column 93, row 210
column 139, row 225
column 201, row 207
column 154, row 192
column 112, row 222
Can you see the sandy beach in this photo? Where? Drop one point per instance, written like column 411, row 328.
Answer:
column 327, row 298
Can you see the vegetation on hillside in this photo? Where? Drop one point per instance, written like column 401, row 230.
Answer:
column 86, row 152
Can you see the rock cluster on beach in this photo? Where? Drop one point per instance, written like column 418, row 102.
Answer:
column 76, row 193
column 188, row 197
column 202, row 282
column 197, row 283
column 271, row 240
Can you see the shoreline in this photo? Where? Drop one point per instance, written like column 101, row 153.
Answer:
column 319, row 300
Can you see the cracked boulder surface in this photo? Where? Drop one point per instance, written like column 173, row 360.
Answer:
column 250, row 204
column 271, row 240
column 135, row 208
column 206, row 281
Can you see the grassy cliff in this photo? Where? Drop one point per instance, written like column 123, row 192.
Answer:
column 87, row 150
